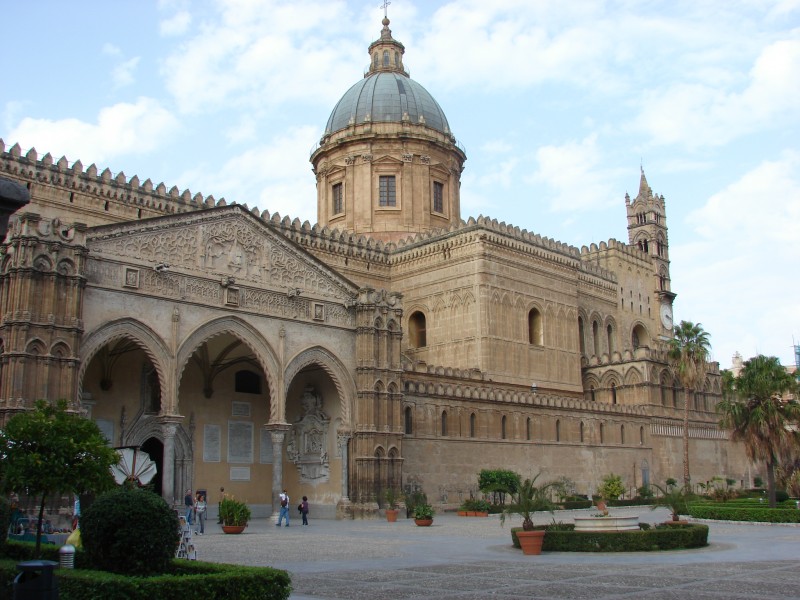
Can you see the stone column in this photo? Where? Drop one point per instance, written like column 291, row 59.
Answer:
column 278, row 434
column 342, row 440
column 169, row 429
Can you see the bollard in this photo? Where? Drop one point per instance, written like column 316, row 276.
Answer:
column 66, row 556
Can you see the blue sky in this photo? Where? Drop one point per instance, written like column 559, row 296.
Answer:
column 557, row 104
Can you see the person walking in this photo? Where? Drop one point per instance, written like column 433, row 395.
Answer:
column 304, row 510
column 200, row 510
column 188, row 502
column 284, row 501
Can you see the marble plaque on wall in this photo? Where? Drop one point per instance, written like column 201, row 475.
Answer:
column 211, row 443
column 240, row 442
column 240, row 409
column 240, row 473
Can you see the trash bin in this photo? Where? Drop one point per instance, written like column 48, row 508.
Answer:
column 35, row 581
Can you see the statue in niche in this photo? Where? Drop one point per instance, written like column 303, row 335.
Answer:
column 307, row 447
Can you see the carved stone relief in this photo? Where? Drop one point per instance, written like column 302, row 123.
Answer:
column 307, row 447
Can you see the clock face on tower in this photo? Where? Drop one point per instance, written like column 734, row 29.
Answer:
column 666, row 316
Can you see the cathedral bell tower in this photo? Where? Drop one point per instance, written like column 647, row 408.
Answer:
column 647, row 231
column 388, row 165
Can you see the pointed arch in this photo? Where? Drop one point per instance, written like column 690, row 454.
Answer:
column 140, row 334
column 248, row 335
column 336, row 370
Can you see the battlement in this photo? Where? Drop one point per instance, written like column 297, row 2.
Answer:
column 117, row 189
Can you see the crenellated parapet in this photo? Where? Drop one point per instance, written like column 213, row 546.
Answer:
column 102, row 195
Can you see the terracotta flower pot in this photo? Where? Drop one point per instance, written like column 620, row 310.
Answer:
column 462, row 513
column 423, row 522
column 233, row 528
column 480, row 513
column 391, row 515
column 531, row 541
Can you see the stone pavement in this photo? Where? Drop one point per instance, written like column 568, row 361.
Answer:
column 461, row 558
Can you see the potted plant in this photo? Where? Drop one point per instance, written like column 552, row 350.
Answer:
column 423, row 515
column 391, row 505
column 529, row 499
column 611, row 489
column 234, row 514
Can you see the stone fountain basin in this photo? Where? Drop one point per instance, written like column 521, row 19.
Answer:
column 609, row 523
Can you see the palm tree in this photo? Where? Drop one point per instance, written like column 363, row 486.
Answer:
column 758, row 415
column 688, row 356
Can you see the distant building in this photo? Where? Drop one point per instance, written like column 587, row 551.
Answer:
column 393, row 344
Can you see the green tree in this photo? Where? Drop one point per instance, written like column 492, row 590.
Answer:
column 759, row 417
column 50, row 451
column 498, row 482
column 612, row 487
column 688, row 357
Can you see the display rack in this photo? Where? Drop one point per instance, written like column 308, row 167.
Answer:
column 186, row 547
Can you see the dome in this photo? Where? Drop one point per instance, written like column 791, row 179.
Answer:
column 387, row 97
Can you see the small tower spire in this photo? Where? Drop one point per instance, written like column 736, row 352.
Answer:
column 386, row 53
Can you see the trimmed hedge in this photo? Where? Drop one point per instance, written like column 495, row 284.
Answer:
column 673, row 537
column 186, row 579
column 757, row 513
column 574, row 504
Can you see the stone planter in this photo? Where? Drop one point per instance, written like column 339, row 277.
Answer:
column 531, row 541
column 233, row 528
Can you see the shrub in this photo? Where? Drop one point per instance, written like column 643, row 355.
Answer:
column 562, row 539
column 645, row 492
column 233, row 511
column 423, row 511
column 781, row 496
column 130, row 531
column 412, row 499
column 756, row 513
column 612, row 487
column 5, row 520
column 498, row 482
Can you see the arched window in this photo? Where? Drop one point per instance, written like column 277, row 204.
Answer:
column 444, row 422
column 602, row 436
column 528, row 429
column 674, row 396
column 472, row 421
column 247, row 382
column 591, row 393
column 613, row 393
column 558, row 431
column 397, row 58
column 622, row 434
column 535, row 333
column 581, row 431
column 581, row 337
column 503, row 427
column 641, row 436
column 639, row 337
column 385, row 58
column 409, row 421
column 663, row 393
column 595, row 338
column 416, row 330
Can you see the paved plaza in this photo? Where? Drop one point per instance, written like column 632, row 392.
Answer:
column 471, row 558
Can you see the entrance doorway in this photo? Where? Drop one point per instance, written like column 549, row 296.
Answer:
column 155, row 449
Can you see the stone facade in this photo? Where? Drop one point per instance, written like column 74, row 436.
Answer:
column 389, row 345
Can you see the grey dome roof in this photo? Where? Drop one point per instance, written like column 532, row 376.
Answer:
column 386, row 97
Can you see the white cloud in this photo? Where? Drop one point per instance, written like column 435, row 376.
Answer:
column 111, row 50
column 257, row 53
column 124, row 128
column 698, row 115
column 122, row 74
column 177, row 24
column 738, row 273
column 575, row 175
column 272, row 175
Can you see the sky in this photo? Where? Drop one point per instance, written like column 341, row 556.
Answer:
column 558, row 105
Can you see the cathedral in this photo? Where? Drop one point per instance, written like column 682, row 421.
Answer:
column 393, row 344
